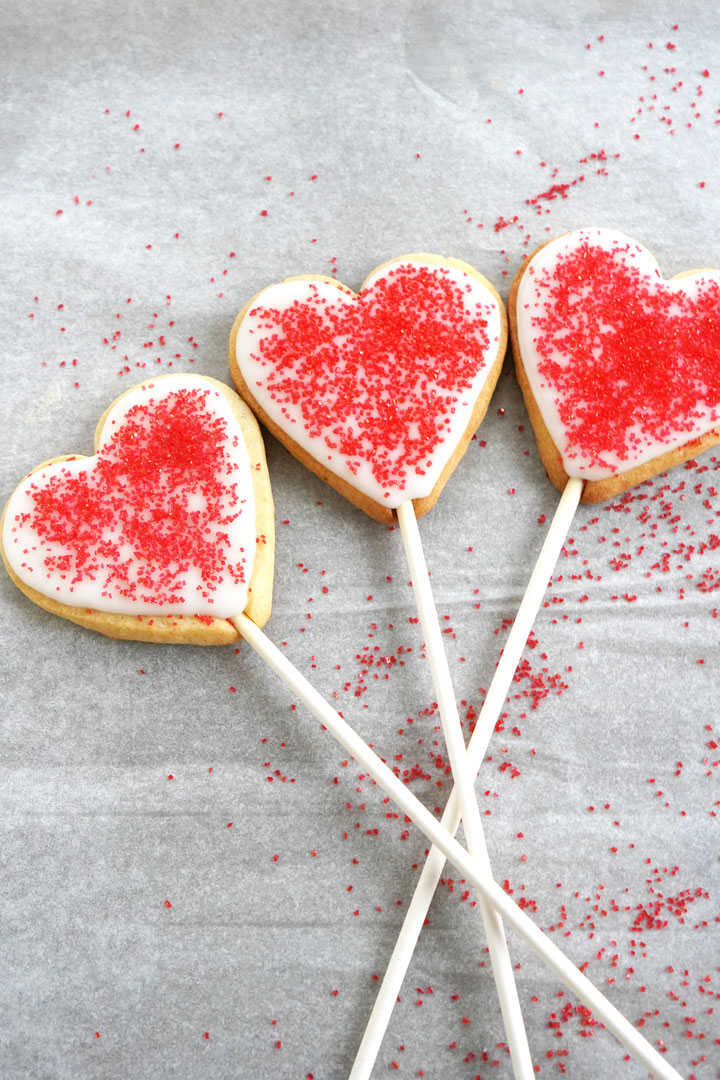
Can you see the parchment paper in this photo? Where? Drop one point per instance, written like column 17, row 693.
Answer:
column 195, row 882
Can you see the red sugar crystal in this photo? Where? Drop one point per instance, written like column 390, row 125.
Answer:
column 625, row 351
column 162, row 489
column 377, row 379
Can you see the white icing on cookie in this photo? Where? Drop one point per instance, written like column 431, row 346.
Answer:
column 325, row 367
column 646, row 387
column 169, row 530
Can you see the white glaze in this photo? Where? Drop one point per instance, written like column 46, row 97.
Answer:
column 26, row 552
column 288, row 416
column 531, row 303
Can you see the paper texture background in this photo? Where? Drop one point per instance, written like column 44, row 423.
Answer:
column 160, row 164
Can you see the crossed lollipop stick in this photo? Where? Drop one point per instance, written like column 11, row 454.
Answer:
column 441, row 834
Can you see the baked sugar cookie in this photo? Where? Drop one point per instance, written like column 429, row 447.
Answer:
column 620, row 368
column 378, row 392
column 165, row 532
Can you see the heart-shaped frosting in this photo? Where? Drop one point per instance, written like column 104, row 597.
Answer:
column 377, row 392
column 622, row 366
column 161, row 522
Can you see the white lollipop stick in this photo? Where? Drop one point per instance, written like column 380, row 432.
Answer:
column 394, row 788
column 484, row 728
column 465, row 788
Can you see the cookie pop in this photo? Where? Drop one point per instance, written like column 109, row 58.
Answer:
column 379, row 394
column 104, row 525
column 621, row 376
column 619, row 368
column 161, row 535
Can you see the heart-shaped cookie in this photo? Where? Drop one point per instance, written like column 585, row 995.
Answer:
column 378, row 393
column 165, row 533
column 619, row 367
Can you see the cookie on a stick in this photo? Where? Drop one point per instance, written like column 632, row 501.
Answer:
column 379, row 394
column 619, row 367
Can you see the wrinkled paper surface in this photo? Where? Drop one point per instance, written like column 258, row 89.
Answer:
column 196, row 882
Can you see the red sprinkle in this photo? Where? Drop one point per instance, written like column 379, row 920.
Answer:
column 164, row 452
column 607, row 325
column 377, row 379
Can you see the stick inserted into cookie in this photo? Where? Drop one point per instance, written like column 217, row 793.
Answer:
column 379, row 394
